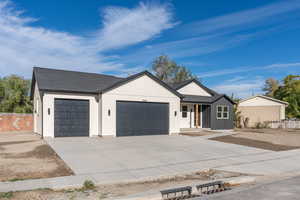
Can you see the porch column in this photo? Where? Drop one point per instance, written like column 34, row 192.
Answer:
column 196, row 113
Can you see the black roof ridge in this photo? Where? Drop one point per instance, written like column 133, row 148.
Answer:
column 79, row 72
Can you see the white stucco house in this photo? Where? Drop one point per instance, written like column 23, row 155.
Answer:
column 69, row 103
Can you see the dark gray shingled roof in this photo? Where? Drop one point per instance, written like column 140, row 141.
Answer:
column 81, row 82
column 72, row 81
column 204, row 99
column 199, row 99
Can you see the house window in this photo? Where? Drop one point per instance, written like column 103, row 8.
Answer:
column 222, row 112
column 184, row 111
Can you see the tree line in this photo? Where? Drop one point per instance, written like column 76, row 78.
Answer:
column 14, row 95
column 286, row 90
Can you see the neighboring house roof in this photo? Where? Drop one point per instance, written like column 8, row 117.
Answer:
column 81, row 82
column 265, row 97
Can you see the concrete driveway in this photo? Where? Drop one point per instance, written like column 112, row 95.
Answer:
column 128, row 158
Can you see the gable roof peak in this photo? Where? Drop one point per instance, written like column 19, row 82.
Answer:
column 265, row 97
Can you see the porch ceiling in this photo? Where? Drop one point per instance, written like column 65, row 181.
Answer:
column 198, row 99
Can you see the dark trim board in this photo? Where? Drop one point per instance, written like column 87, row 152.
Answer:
column 136, row 118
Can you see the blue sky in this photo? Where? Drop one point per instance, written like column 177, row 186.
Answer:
column 233, row 46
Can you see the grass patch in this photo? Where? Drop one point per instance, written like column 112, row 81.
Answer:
column 6, row 195
column 16, row 179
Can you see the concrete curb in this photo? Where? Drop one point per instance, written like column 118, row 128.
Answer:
column 155, row 195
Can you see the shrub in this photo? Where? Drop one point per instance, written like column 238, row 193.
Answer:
column 88, row 185
column 246, row 122
column 260, row 125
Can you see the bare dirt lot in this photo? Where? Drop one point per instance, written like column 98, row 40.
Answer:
column 26, row 156
column 119, row 190
column 199, row 133
column 270, row 139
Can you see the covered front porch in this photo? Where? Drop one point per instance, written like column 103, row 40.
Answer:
column 195, row 116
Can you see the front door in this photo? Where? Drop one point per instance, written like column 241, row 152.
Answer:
column 206, row 116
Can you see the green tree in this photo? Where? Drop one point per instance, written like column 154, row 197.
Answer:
column 169, row 71
column 290, row 92
column 182, row 74
column 271, row 85
column 14, row 97
column 1, row 90
column 237, row 118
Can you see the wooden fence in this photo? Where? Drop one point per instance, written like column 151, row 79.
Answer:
column 284, row 124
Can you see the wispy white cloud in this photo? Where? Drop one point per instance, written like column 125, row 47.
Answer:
column 187, row 47
column 247, row 69
column 123, row 26
column 241, row 88
column 233, row 22
column 23, row 45
column 222, row 32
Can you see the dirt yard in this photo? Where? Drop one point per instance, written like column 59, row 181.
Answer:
column 270, row 139
column 26, row 156
column 200, row 132
column 119, row 190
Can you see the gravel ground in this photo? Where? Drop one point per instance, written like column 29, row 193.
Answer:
column 270, row 139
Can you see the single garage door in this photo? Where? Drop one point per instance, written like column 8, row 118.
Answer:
column 71, row 118
column 142, row 118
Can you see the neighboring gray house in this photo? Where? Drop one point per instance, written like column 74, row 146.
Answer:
column 69, row 103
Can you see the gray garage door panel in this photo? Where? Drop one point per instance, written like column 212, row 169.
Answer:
column 71, row 118
column 142, row 118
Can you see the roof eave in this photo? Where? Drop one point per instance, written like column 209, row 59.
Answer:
column 69, row 91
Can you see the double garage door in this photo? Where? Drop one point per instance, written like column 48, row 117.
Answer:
column 71, row 118
column 142, row 118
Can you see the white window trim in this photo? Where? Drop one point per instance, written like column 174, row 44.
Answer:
column 222, row 111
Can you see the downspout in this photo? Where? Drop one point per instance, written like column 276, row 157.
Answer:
column 42, row 113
